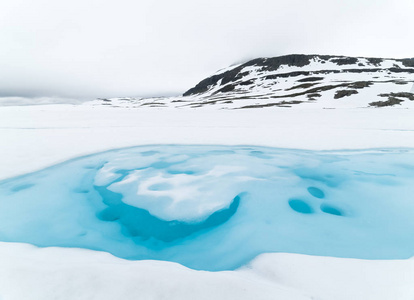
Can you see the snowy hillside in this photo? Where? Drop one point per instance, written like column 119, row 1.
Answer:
column 306, row 81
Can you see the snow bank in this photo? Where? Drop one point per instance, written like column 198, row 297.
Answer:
column 27, row 272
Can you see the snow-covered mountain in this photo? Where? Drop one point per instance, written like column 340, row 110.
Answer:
column 296, row 81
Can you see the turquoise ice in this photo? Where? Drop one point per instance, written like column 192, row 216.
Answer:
column 217, row 207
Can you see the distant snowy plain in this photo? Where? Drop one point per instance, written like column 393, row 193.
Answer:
column 34, row 137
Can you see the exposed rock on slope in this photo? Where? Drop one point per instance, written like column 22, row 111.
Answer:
column 296, row 80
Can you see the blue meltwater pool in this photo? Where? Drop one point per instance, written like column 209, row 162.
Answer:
column 217, row 207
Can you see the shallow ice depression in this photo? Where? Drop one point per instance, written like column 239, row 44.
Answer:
column 217, row 207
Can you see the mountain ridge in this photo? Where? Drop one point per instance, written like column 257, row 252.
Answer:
column 296, row 60
column 299, row 80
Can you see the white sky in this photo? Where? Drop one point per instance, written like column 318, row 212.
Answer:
column 91, row 48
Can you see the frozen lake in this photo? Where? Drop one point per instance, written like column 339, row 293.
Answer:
column 217, row 207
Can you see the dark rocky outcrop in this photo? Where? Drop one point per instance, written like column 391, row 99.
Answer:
column 266, row 64
column 301, row 86
column 375, row 61
column 314, row 95
column 310, row 79
column 236, row 84
column 390, row 102
column 280, row 104
column 407, row 62
column 226, row 89
column 344, row 93
column 361, row 84
column 392, row 99
column 409, row 96
column 345, row 61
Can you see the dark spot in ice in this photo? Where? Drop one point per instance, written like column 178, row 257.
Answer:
column 110, row 214
column 259, row 154
column 300, row 206
column 187, row 172
column 21, row 187
column 331, row 210
column 89, row 167
column 315, row 192
column 81, row 191
column 149, row 153
column 256, row 153
column 160, row 187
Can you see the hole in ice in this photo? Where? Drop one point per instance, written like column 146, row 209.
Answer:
column 331, row 210
column 315, row 192
column 216, row 207
column 300, row 206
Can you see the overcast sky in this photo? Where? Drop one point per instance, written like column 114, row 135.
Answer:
column 94, row 48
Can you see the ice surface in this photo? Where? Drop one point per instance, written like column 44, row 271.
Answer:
column 217, row 207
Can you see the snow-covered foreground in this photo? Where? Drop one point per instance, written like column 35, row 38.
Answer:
column 27, row 272
column 35, row 137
